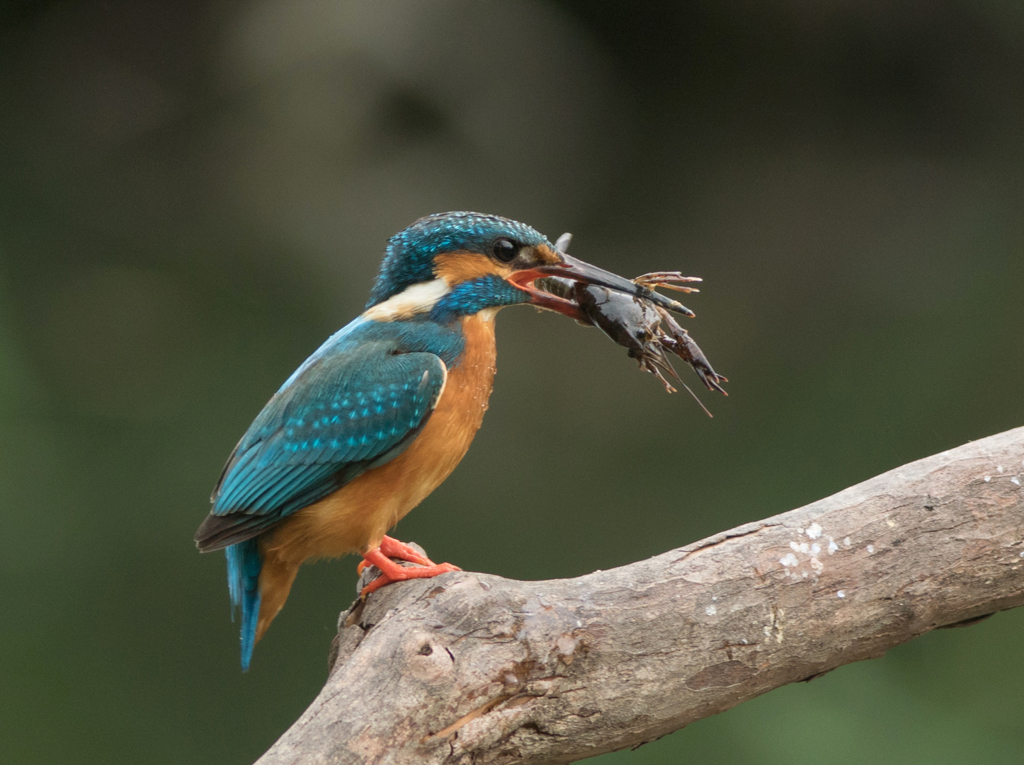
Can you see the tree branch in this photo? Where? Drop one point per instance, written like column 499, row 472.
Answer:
column 471, row 668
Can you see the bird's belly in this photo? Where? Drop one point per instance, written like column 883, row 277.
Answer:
column 356, row 517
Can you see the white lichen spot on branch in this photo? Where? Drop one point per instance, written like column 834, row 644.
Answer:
column 566, row 645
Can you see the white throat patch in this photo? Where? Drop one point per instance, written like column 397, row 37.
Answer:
column 419, row 298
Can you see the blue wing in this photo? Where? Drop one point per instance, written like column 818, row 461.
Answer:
column 350, row 407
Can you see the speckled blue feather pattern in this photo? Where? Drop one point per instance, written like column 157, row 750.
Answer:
column 409, row 258
column 351, row 403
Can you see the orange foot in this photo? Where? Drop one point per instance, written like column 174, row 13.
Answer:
column 392, row 548
column 392, row 572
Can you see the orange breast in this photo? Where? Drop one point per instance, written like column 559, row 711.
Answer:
column 356, row 517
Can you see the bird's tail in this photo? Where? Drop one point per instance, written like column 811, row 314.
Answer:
column 244, row 565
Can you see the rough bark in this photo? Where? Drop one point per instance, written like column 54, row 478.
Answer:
column 471, row 668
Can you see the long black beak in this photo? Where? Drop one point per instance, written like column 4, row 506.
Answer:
column 579, row 271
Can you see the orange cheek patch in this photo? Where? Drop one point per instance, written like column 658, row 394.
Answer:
column 461, row 266
column 546, row 255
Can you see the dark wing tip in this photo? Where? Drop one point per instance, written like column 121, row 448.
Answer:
column 219, row 531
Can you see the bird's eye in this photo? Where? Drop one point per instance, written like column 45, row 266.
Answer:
column 504, row 250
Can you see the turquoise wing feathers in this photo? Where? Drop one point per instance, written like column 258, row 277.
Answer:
column 346, row 410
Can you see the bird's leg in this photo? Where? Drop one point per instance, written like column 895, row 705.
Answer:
column 392, row 572
column 395, row 549
column 392, row 548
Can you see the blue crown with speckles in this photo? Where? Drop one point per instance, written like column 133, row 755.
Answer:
column 409, row 257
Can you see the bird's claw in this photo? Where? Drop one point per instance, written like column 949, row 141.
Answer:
column 398, row 562
column 404, row 573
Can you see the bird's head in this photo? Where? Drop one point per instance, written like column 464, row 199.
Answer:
column 460, row 263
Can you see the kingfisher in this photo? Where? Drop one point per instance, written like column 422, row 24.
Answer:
column 383, row 411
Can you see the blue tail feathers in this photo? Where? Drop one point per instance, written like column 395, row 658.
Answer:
column 244, row 564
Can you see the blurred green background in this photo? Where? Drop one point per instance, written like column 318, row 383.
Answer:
column 193, row 195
